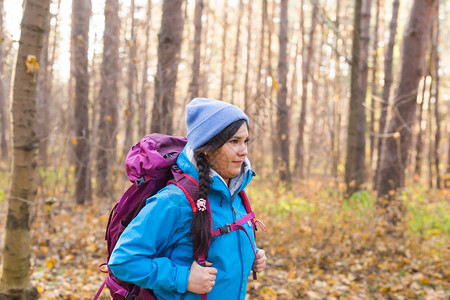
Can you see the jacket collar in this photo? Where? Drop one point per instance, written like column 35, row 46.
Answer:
column 187, row 164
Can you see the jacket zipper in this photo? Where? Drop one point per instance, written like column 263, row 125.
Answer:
column 240, row 253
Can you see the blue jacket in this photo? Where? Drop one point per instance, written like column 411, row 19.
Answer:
column 155, row 250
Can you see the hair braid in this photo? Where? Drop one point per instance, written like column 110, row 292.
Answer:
column 201, row 223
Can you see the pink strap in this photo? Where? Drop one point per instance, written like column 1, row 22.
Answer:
column 246, row 218
column 100, row 290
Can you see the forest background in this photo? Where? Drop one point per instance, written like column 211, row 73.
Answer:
column 351, row 155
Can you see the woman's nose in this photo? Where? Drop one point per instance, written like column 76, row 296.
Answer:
column 243, row 150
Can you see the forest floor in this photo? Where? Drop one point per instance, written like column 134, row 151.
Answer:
column 319, row 245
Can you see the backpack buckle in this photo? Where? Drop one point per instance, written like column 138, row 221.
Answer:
column 131, row 296
column 225, row 229
column 140, row 181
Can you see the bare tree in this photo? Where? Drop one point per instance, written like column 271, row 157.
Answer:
column 373, row 88
column 145, row 83
column 236, row 49
column 396, row 147
column 81, row 14
column 15, row 280
column 435, row 92
column 224, row 48
column 306, row 70
column 108, row 97
column 388, row 58
column 282, row 107
column 193, row 86
column 354, row 164
column 3, row 114
column 248, row 60
column 132, row 78
column 169, row 46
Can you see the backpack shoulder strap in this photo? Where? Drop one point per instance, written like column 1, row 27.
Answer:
column 187, row 184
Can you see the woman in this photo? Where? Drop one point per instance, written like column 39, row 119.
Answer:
column 157, row 248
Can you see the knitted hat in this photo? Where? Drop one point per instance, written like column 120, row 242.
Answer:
column 205, row 118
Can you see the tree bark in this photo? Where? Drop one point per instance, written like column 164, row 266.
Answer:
column 81, row 14
column 388, row 58
column 419, row 139
column 336, row 121
column 15, row 280
column 236, row 50
column 3, row 102
column 354, row 164
column 224, row 48
column 248, row 60
column 306, row 63
column 130, row 110
column 169, row 46
column 396, row 147
column 435, row 93
column 373, row 88
column 196, row 54
column 110, row 75
column 42, row 97
column 145, row 83
column 282, row 107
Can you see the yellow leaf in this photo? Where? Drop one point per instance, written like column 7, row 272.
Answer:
column 108, row 118
column 32, row 64
column 275, row 85
column 39, row 289
column 127, row 112
column 50, row 262
column 74, row 141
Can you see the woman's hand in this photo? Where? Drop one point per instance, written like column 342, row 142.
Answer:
column 201, row 279
column 260, row 261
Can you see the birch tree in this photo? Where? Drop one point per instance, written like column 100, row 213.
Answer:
column 15, row 281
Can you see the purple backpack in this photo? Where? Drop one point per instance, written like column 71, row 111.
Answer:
column 150, row 166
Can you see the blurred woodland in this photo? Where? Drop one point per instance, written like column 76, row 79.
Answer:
column 349, row 107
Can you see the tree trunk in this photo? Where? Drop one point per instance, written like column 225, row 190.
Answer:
column 129, row 111
column 282, row 107
column 207, row 55
column 419, row 139
column 354, row 164
column 388, row 58
column 236, row 49
column 3, row 102
column 42, row 97
column 435, row 92
column 15, row 280
column 306, row 63
column 109, row 97
column 248, row 60
column 336, row 122
column 224, row 48
column 396, row 147
column 194, row 86
column 145, row 83
column 373, row 88
column 81, row 14
column 169, row 46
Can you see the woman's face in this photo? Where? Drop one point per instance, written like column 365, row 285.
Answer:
column 228, row 159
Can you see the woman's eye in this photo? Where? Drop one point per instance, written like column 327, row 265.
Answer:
column 247, row 140
column 233, row 141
